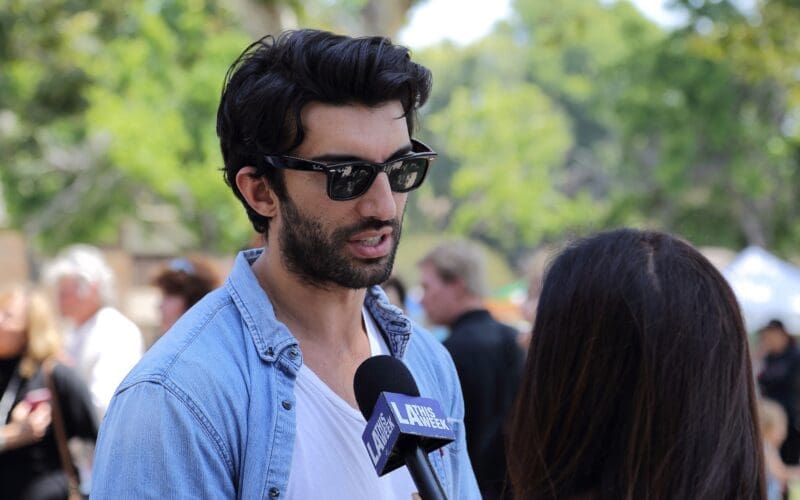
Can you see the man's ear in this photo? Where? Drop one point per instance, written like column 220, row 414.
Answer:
column 257, row 192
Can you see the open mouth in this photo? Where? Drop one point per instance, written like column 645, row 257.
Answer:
column 372, row 242
column 373, row 245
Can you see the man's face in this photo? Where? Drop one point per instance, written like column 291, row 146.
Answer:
column 772, row 341
column 71, row 291
column 77, row 299
column 351, row 243
column 440, row 299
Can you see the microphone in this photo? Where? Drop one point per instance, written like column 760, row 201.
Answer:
column 402, row 427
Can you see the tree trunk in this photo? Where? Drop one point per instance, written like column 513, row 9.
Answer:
column 262, row 18
column 752, row 226
column 385, row 17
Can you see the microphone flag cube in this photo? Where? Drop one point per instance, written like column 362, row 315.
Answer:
column 399, row 421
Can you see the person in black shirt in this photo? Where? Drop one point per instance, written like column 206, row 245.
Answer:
column 779, row 380
column 30, row 465
column 485, row 351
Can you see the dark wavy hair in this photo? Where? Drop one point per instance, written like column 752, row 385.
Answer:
column 638, row 381
column 268, row 85
column 189, row 278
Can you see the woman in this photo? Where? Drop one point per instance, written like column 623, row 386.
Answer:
column 182, row 284
column 638, row 381
column 30, row 464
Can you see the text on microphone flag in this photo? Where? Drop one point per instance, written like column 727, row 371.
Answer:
column 397, row 420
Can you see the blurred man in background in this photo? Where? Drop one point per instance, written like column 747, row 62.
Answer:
column 485, row 351
column 102, row 343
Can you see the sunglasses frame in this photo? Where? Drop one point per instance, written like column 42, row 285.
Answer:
column 418, row 150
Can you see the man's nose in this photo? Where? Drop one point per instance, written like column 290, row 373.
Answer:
column 378, row 202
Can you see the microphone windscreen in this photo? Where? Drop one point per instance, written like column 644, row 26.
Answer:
column 379, row 374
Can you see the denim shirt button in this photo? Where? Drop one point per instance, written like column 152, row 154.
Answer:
column 287, row 405
column 270, row 351
column 293, row 353
column 274, row 492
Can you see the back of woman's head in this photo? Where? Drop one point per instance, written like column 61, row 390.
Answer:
column 638, row 382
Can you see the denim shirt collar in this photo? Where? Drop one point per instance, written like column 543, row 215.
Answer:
column 271, row 337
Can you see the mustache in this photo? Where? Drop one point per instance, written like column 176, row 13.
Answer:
column 369, row 224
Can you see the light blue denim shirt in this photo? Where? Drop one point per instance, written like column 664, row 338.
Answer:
column 209, row 410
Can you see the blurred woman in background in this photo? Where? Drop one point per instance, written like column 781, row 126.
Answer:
column 182, row 284
column 30, row 464
column 638, row 382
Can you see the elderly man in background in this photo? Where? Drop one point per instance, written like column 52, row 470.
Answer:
column 102, row 343
column 486, row 354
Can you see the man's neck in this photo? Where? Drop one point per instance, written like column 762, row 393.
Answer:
column 326, row 322
column 323, row 315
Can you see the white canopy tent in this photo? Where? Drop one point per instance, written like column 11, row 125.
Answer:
column 767, row 288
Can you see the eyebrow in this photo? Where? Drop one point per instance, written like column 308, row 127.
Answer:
column 331, row 158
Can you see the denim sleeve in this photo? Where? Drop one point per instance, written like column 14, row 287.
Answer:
column 155, row 443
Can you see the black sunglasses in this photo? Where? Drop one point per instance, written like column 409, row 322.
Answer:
column 350, row 179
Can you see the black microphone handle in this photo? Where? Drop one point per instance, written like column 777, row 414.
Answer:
column 422, row 473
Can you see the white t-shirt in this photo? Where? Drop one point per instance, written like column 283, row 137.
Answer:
column 104, row 350
column 330, row 460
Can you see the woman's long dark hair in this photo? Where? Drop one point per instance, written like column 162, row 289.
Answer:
column 638, row 381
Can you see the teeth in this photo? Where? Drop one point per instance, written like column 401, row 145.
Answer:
column 371, row 242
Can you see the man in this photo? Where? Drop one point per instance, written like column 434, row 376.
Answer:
column 485, row 352
column 102, row 343
column 250, row 394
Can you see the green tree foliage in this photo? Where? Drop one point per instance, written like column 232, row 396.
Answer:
column 109, row 108
column 694, row 130
column 707, row 123
column 508, row 143
column 162, row 118
column 521, row 122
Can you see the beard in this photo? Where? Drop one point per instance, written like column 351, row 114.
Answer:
column 319, row 259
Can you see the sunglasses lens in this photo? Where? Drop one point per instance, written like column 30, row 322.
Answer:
column 349, row 181
column 407, row 174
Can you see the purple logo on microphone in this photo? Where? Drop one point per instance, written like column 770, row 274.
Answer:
column 397, row 419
